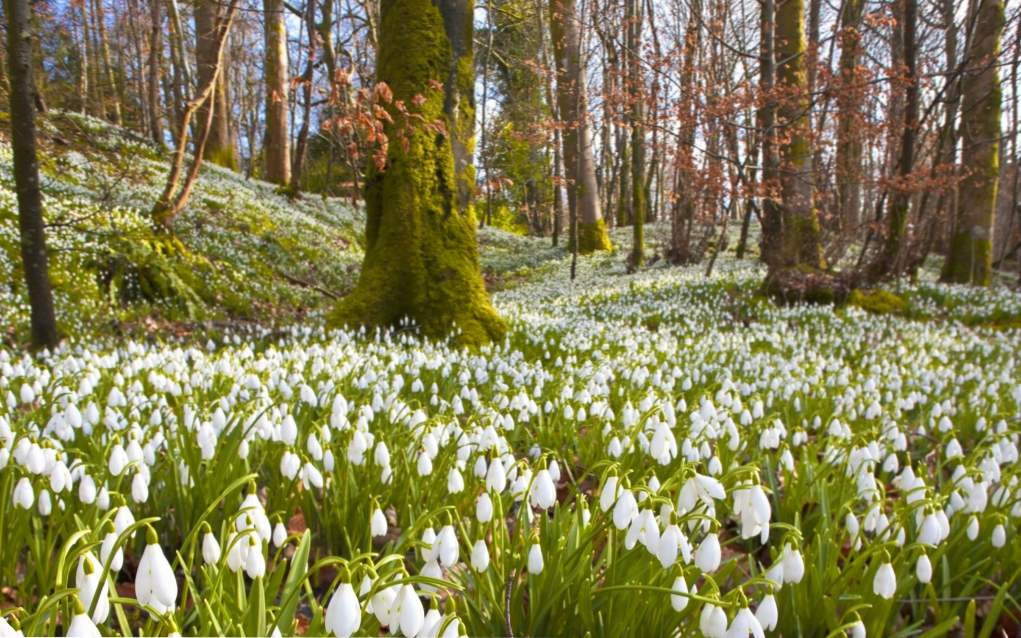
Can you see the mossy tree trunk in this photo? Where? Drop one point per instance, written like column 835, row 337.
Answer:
column 211, row 63
column 800, row 244
column 277, row 142
column 772, row 224
column 421, row 256
column 970, row 256
column 578, row 154
column 683, row 210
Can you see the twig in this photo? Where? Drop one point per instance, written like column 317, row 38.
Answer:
column 507, row 605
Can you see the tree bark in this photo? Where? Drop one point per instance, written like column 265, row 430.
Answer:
column 219, row 147
column 683, row 211
column 800, row 240
column 26, row 175
column 277, row 142
column 636, row 89
column 155, row 56
column 849, row 147
column 577, row 134
column 970, row 256
column 421, row 256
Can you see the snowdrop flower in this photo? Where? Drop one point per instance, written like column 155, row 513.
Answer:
column 7, row 631
column 752, row 507
column 255, row 562
column 496, row 478
column 609, row 494
column 279, row 534
column 117, row 561
column 92, row 584
column 923, row 569
column 409, row 613
column 484, row 508
column 480, row 556
column 712, row 622
column 625, row 510
column 155, row 582
column 884, row 584
column 118, row 460
column 446, row 546
column 210, row 548
column 708, row 554
column 973, row 528
column 81, row 625
column 999, row 537
column 669, row 543
column 679, row 601
column 745, row 624
column 87, row 490
column 344, row 613
column 24, row 495
column 383, row 604
column 767, row 613
column 793, row 564
column 544, row 492
column 535, row 561
column 289, row 465
column 377, row 523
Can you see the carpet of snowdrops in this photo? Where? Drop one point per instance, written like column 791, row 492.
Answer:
column 657, row 454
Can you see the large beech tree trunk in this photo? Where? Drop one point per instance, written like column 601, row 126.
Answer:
column 26, row 175
column 637, row 96
column 583, row 188
column 971, row 254
column 421, row 256
column 277, row 142
column 849, row 147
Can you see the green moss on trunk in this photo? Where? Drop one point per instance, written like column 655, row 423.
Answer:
column 421, row 259
column 593, row 237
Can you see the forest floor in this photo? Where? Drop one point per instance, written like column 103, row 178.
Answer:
column 659, row 449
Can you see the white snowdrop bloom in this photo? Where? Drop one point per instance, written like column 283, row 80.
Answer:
column 155, row 582
column 424, row 466
column 745, row 624
column 93, row 584
column 279, row 534
column 378, row 523
column 210, row 549
column 679, row 601
column 383, row 604
column 708, row 554
column 255, row 562
column 409, row 613
column 793, row 565
column 712, row 622
column 117, row 560
column 752, row 507
column 535, row 561
column 357, row 447
column 290, row 464
column 767, row 613
column 311, row 476
column 344, row 613
column 615, row 448
column 496, row 477
column 428, row 547
column 609, row 493
column 446, row 547
column 455, row 482
column 668, row 546
column 27, row 394
column 45, row 505
column 82, row 627
column 699, row 488
column 858, row 630
column 480, row 556
column 118, row 460
column 884, row 583
column 625, row 510
column 999, row 537
column 140, row 487
column 288, row 431
column 973, row 528
column 923, row 569
column 87, row 490
column 930, row 531
column 24, row 495
column 544, row 492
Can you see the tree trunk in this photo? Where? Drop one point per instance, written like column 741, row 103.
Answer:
column 636, row 89
column 800, row 241
column 970, row 256
column 421, row 255
column 900, row 202
column 277, row 142
column 301, row 147
column 849, row 146
column 108, row 76
column 772, row 215
column 155, row 55
column 577, row 135
column 26, row 175
column 683, row 210
column 219, row 145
